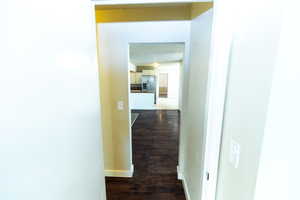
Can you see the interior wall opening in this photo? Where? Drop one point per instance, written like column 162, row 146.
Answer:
column 120, row 28
column 155, row 75
column 163, row 85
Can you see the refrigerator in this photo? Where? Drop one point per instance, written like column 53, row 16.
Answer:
column 149, row 85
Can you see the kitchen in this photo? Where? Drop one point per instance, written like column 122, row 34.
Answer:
column 154, row 76
column 143, row 87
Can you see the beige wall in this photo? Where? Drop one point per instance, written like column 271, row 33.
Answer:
column 114, row 39
column 252, row 61
column 192, row 135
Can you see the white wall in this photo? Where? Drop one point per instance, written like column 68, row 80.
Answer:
column 114, row 39
column 194, row 102
column 253, row 54
column 278, row 176
column 172, row 83
column 49, row 130
column 163, row 80
column 173, row 78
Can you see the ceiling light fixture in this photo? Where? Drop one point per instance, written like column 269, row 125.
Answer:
column 155, row 64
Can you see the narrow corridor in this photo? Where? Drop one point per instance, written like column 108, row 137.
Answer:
column 155, row 158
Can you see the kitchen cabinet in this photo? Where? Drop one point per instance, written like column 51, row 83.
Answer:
column 138, row 77
column 142, row 101
column 135, row 77
column 149, row 72
column 132, row 78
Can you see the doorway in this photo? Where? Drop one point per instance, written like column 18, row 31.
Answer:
column 114, row 38
column 163, row 85
column 154, row 127
column 155, row 75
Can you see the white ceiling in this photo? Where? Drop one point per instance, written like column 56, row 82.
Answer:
column 150, row 53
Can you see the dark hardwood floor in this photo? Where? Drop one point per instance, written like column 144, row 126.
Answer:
column 155, row 158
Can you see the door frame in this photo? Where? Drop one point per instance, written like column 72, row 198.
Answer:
column 221, row 43
column 222, row 31
column 183, row 65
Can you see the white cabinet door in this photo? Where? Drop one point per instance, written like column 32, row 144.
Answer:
column 132, row 78
column 148, row 72
column 138, row 77
column 135, row 77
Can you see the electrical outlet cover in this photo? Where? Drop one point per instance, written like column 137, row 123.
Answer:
column 120, row 105
column 234, row 157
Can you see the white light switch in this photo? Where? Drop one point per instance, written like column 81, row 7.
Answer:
column 234, row 157
column 120, row 105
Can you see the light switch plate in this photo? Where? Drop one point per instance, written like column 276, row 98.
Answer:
column 234, row 157
column 120, row 105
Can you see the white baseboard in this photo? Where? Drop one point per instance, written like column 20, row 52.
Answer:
column 186, row 190
column 179, row 174
column 119, row 173
column 181, row 177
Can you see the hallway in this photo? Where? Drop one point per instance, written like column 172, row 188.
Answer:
column 155, row 158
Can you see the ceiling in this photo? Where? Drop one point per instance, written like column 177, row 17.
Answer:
column 150, row 53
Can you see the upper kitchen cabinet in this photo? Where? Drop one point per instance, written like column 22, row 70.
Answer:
column 131, row 67
column 135, row 77
column 149, row 72
column 138, row 77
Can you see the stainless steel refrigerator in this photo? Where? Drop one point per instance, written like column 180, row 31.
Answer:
column 149, row 85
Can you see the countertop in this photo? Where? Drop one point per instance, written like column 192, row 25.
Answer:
column 139, row 91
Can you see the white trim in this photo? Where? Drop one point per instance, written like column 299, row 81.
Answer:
column 119, row 173
column 222, row 33
column 181, row 177
column 185, row 188
column 124, row 2
column 179, row 173
column 129, row 110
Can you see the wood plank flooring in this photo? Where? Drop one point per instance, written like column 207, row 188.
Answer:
column 155, row 158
